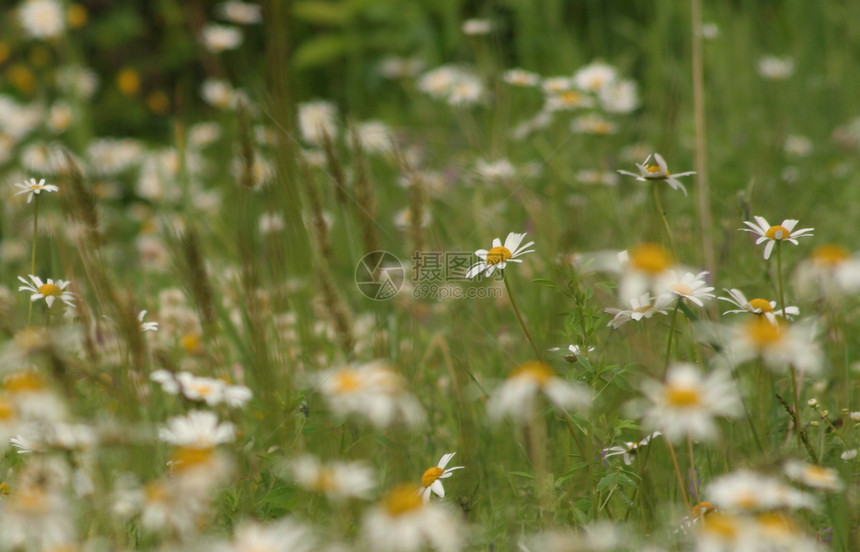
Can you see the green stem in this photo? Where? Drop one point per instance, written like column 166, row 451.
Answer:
column 669, row 339
column 779, row 276
column 794, row 384
column 33, row 254
column 520, row 317
column 659, row 206
column 678, row 472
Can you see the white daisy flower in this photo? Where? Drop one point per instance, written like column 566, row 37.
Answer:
column 146, row 326
column 197, row 429
column 690, row 286
column 520, row 77
column 773, row 234
column 218, row 38
column 816, row 477
column 516, row 396
column 628, row 450
column 337, row 480
column 240, row 13
column 778, row 344
column 775, row 68
column 745, row 491
column 42, row 18
column 285, row 534
column 595, row 76
column 499, row 255
column 31, row 187
column 641, row 307
column 317, row 120
column 687, row 403
column 643, row 267
column 756, row 306
column 660, row 171
column 831, row 270
column 431, row 479
column 402, row 522
column 49, row 290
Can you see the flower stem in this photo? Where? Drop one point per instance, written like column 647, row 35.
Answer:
column 671, row 333
column 695, row 490
column 33, row 254
column 520, row 317
column 678, row 472
column 659, row 206
column 795, row 392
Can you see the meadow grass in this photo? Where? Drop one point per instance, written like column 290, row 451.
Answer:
column 276, row 406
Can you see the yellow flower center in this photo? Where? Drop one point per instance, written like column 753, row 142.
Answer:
column 7, row 410
column 431, row 475
column 498, row 255
column 536, row 370
column 402, row 500
column 346, row 381
column 155, row 492
column 188, row 457
column 762, row 305
column 682, row 397
column 76, row 15
column 776, row 525
column 681, row 289
column 652, row 168
column 203, row 388
column 571, row 97
column 818, row 475
column 190, row 342
column 31, row 501
column 23, row 382
column 702, row 509
column 764, row 334
column 830, row 255
column 650, row 257
column 778, row 233
column 324, row 481
column 31, row 338
column 50, row 289
column 721, row 525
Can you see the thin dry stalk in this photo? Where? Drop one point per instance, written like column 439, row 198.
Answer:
column 80, row 201
column 320, row 227
column 198, row 277
column 366, row 203
column 247, row 155
column 338, row 174
column 337, row 310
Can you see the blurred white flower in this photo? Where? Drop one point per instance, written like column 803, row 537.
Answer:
column 317, row 120
column 595, row 76
column 516, row 396
column 42, row 18
column 775, row 68
column 337, row 480
column 218, row 38
column 240, row 13
column 476, row 27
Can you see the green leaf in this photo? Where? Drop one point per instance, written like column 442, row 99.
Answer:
column 319, row 50
column 522, row 474
column 322, row 13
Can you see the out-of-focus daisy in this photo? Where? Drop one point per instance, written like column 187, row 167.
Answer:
column 201, row 389
column 32, row 187
column 499, row 255
column 337, row 480
column 756, row 306
column 218, row 93
column 393, row 67
column 643, row 267
column 628, row 450
column 375, row 137
column 641, row 307
column 240, row 13
column 49, row 291
column 849, row 455
column 699, row 512
column 772, row 234
column 593, row 124
column 520, row 77
column 590, row 176
column 431, row 479
column 775, row 68
column 317, row 120
column 660, row 171
column 197, row 429
column 42, row 18
column 595, row 76
column 798, row 146
column 688, row 401
column 402, row 522
column 831, row 270
column 556, row 85
column 491, row 171
column 516, row 396
column 146, row 326
column 619, row 97
column 816, row 477
column 218, row 38
column 778, row 344
column 374, row 391
column 745, row 491
column 691, row 287
column 285, row 534
column 477, row 27
column 567, row 100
